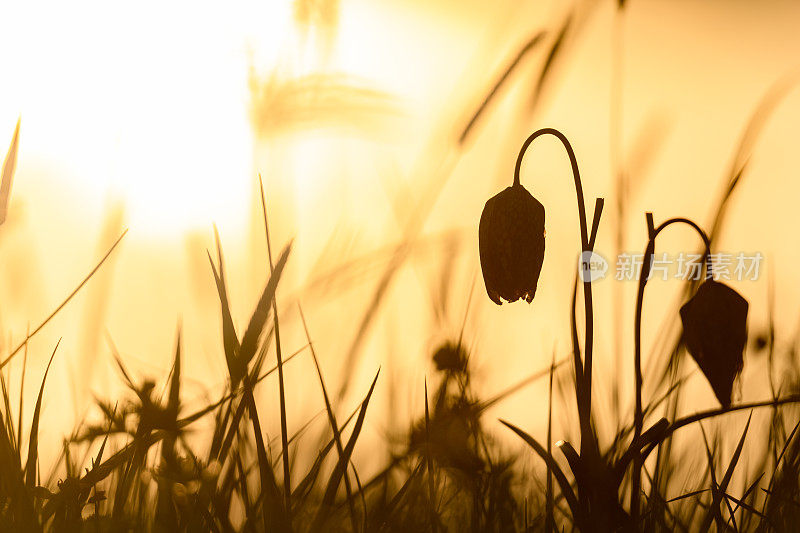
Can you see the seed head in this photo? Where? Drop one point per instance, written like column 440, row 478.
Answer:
column 450, row 357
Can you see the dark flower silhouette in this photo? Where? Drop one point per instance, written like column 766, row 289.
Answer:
column 715, row 333
column 511, row 243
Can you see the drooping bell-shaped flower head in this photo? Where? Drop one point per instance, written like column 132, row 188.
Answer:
column 511, row 243
column 715, row 333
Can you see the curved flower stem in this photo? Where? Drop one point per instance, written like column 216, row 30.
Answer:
column 583, row 370
column 638, row 417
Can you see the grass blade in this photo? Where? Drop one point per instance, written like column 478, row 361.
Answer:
column 332, row 421
column 64, row 302
column 261, row 313
column 9, row 166
column 33, row 444
column 527, row 47
column 230, row 340
column 566, row 488
column 287, row 479
column 341, row 465
column 721, row 488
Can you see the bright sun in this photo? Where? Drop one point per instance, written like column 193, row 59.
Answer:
column 147, row 103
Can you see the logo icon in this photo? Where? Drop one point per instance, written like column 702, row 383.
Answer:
column 592, row 266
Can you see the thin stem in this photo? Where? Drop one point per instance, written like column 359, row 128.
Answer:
column 549, row 522
column 287, row 479
column 615, row 126
column 583, row 391
column 575, row 174
column 713, row 413
column 638, row 418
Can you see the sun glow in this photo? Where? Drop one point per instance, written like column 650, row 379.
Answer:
column 149, row 104
column 153, row 106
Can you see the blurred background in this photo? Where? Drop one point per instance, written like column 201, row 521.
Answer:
column 379, row 137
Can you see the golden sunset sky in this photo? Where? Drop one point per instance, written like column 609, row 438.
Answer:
column 158, row 117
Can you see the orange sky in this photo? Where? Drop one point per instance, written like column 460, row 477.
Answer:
column 150, row 109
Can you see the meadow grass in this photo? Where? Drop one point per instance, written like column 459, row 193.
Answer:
column 138, row 469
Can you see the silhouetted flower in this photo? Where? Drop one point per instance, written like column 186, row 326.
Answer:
column 511, row 242
column 715, row 333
